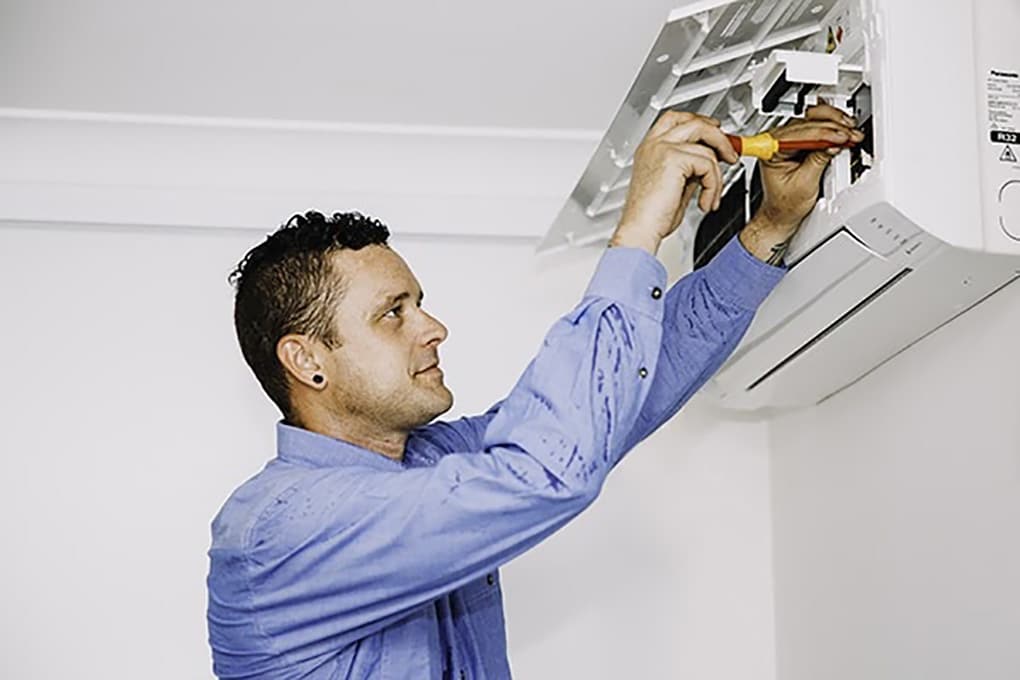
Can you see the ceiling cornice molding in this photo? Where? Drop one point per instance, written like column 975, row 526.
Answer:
column 76, row 167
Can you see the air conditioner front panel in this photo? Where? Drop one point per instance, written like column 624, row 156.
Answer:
column 951, row 282
column 814, row 294
column 809, row 280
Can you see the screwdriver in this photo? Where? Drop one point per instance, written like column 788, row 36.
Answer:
column 764, row 145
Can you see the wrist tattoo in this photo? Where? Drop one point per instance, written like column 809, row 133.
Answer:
column 778, row 251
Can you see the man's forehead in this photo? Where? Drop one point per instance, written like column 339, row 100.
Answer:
column 373, row 272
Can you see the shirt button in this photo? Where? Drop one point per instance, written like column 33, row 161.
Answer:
column 643, row 372
column 490, row 579
column 463, row 675
column 656, row 293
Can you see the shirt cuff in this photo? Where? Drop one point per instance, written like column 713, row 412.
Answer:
column 633, row 277
column 741, row 279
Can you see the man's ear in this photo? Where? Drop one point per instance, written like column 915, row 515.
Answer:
column 301, row 358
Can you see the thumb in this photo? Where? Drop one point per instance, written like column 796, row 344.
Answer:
column 816, row 163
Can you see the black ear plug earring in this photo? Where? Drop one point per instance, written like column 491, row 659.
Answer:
column 317, row 379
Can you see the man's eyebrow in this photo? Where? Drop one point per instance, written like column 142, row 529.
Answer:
column 392, row 300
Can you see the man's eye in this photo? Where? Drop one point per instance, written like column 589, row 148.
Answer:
column 393, row 313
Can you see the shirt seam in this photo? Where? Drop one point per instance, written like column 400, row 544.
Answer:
column 249, row 588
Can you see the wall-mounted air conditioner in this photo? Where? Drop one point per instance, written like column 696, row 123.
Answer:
column 915, row 226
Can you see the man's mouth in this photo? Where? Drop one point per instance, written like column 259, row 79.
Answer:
column 431, row 369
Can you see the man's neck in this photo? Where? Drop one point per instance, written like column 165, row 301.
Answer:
column 354, row 431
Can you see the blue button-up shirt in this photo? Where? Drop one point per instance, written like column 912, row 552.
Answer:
column 337, row 562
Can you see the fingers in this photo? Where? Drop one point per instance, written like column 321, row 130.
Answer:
column 678, row 158
column 824, row 111
column 821, row 129
column 827, row 130
column 822, row 122
column 705, row 133
column 667, row 120
column 683, row 128
column 700, row 162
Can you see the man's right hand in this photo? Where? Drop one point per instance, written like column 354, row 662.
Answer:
column 679, row 153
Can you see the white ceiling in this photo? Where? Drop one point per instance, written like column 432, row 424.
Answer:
column 523, row 64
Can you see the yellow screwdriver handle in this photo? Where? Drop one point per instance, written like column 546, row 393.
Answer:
column 763, row 146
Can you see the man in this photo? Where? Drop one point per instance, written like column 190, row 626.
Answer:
column 369, row 547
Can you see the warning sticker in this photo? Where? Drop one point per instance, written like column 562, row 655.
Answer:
column 1003, row 100
column 1003, row 88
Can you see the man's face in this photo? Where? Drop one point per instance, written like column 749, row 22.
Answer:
column 385, row 371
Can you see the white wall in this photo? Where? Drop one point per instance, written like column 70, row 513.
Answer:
column 129, row 416
column 529, row 63
column 897, row 515
column 667, row 576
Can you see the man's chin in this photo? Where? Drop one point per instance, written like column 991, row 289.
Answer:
column 430, row 402
column 444, row 400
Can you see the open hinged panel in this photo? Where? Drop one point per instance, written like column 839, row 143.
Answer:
column 729, row 60
column 900, row 242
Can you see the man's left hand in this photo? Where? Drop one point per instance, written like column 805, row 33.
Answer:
column 791, row 179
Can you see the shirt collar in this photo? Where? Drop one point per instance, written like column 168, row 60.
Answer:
column 297, row 445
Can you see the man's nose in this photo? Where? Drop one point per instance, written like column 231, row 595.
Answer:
column 435, row 331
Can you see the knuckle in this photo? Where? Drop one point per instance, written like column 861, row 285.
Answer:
column 681, row 116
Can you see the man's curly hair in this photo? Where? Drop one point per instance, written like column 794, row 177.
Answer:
column 287, row 284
